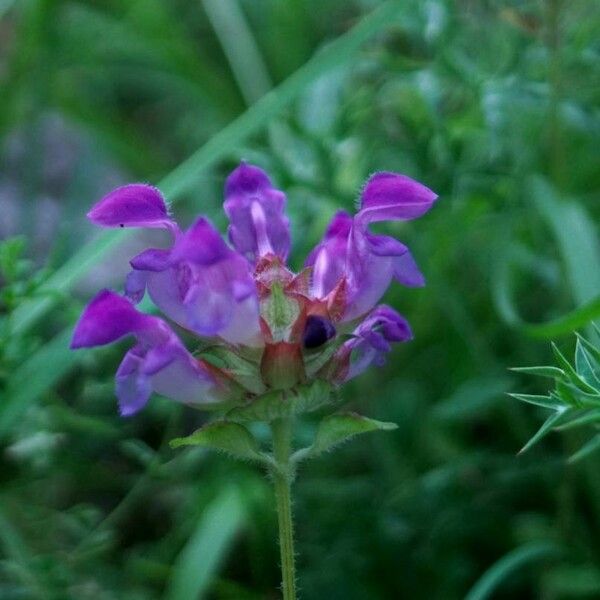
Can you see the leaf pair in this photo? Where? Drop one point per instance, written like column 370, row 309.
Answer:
column 237, row 441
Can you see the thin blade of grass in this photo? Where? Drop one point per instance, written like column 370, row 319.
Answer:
column 590, row 447
column 200, row 559
column 243, row 54
column 507, row 565
column 34, row 377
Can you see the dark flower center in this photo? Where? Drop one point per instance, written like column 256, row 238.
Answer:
column 317, row 331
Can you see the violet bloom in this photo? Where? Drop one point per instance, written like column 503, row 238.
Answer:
column 370, row 343
column 158, row 362
column 271, row 329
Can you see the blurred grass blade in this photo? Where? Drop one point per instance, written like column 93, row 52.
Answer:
column 34, row 377
column 16, row 550
column 577, row 239
column 184, row 177
column 507, row 565
column 565, row 325
column 201, row 558
column 5, row 6
column 587, row 449
column 579, row 246
column 239, row 46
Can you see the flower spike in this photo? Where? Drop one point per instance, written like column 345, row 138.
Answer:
column 269, row 328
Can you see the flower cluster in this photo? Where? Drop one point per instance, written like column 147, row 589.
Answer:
column 264, row 327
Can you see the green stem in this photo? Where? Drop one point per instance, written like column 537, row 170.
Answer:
column 282, row 479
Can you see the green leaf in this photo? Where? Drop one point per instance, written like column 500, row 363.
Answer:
column 541, row 371
column 566, row 324
column 575, row 233
column 573, row 395
column 571, row 372
column 283, row 404
column 551, row 422
column 587, row 367
column 583, row 418
column 199, row 561
column 543, row 401
column 339, row 428
column 223, row 436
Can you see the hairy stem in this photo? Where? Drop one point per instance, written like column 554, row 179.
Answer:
column 282, row 479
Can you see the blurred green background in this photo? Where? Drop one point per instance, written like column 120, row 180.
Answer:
column 495, row 104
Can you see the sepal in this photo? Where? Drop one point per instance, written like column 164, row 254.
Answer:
column 242, row 370
column 281, row 404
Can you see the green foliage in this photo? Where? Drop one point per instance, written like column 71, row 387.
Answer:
column 575, row 398
column 339, row 428
column 492, row 104
column 223, row 436
column 193, row 569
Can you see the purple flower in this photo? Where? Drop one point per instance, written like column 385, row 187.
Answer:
column 371, row 342
column 268, row 327
column 255, row 209
column 199, row 282
column 158, row 362
column 134, row 205
column 369, row 262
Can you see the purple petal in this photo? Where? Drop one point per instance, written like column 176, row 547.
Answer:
column 369, row 262
column 386, row 322
column 132, row 387
column 372, row 340
column 258, row 225
column 158, row 362
column 152, row 259
column 135, row 285
column 107, row 318
column 166, row 369
column 390, row 197
column 328, row 259
column 200, row 244
column 407, row 272
column 135, row 205
column 204, row 285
